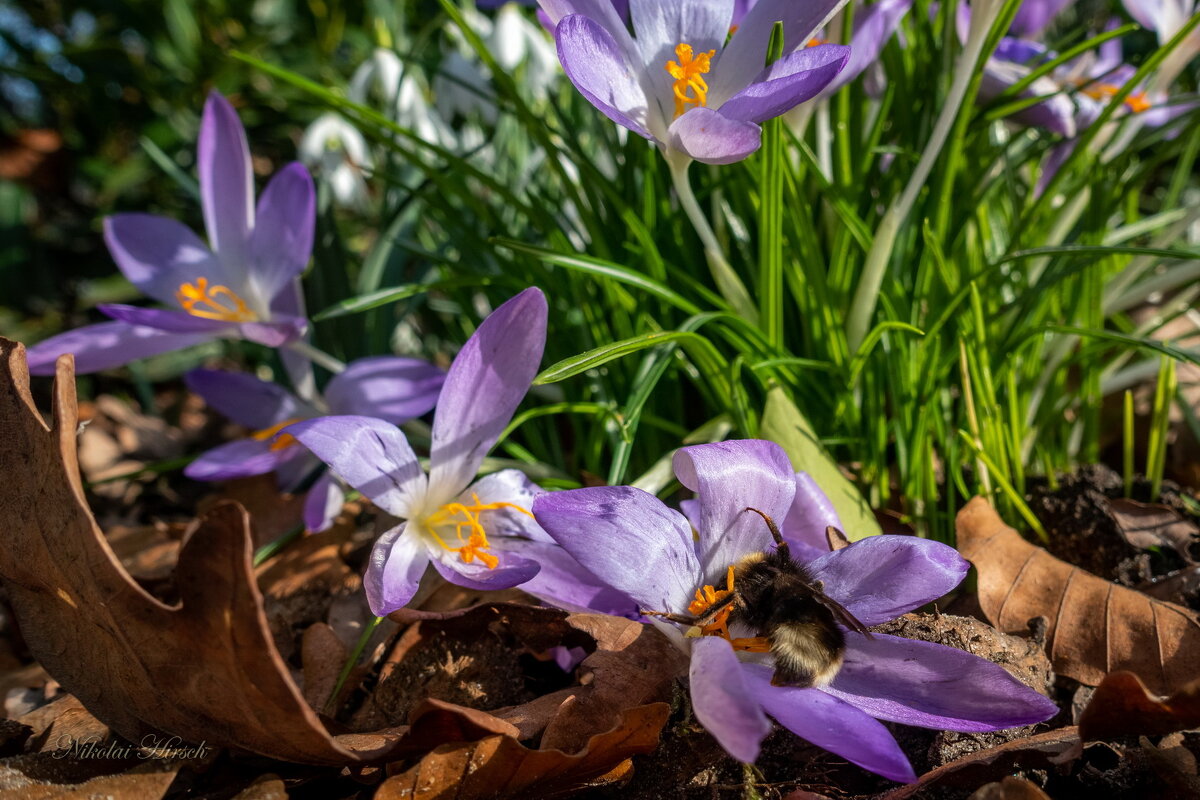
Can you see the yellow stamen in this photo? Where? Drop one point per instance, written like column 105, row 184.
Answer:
column 473, row 545
column 213, row 302
column 706, row 598
column 1137, row 102
column 687, row 72
column 283, row 442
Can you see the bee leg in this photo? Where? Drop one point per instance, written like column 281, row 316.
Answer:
column 682, row 619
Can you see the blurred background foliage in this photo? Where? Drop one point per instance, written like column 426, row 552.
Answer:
column 99, row 109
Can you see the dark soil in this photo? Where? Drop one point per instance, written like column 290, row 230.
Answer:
column 1084, row 533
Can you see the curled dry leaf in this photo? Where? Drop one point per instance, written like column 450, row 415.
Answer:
column 1147, row 525
column 1043, row 751
column 1122, row 706
column 205, row 669
column 500, row 766
column 1094, row 627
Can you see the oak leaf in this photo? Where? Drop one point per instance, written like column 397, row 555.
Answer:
column 1122, row 706
column 1093, row 626
column 499, row 766
column 204, row 669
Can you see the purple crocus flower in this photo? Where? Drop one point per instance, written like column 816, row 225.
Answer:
column 635, row 543
column 1164, row 17
column 682, row 81
column 387, row 388
column 874, row 25
column 243, row 284
column 476, row 533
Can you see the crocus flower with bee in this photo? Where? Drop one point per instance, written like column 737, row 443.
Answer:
column 769, row 634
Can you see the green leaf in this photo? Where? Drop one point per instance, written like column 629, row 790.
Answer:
column 569, row 367
column 783, row 424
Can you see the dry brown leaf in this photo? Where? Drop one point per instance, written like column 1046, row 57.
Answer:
column 272, row 514
column 149, row 780
column 203, row 670
column 1147, row 525
column 500, row 767
column 266, row 787
column 1094, row 627
column 1041, row 751
column 1010, row 788
column 1122, row 706
column 631, row 664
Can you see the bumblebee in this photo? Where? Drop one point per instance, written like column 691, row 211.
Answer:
column 777, row 597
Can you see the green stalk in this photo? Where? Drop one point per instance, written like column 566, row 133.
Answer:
column 351, row 660
column 728, row 282
column 1127, row 466
column 770, row 224
column 866, row 295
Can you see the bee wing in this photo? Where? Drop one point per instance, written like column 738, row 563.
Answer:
column 841, row 614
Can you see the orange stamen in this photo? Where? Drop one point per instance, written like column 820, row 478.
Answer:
column 473, row 545
column 283, row 442
column 213, row 302
column 687, row 72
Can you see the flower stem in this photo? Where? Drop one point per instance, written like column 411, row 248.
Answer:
column 317, row 356
column 866, row 295
column 728, row 282
column 351, row 660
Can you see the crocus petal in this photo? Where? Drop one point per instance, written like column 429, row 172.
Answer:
column 369, row 454
column 513, row 569
column 724, row 701
column 165, row 319
column 237, row 459
column 158, row 255
column 483, row 388
column 729, row 478
column 601, row 72
column 245, row 399
column 881, row 577
column 709, row 137
column 1034, row 16
column 1055, row 113
column 290, row 304
column 323, row 503
column 392, row 389
column 1146, row 12
column 106, row 345
column 811, row 513
column 276, row 333
column 565, row 583
column 831, row 724
column 659, row 27
column 873, row 27
column 282, row 240
column 512, row 487
column 609, row 14
column 628, row 539
column 745, row 54
column 934, row 686
column 394, row 571
column 788, row 82
column 226, row 182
